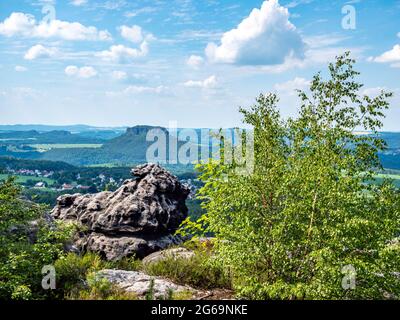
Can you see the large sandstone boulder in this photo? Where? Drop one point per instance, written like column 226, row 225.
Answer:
column 137, row 219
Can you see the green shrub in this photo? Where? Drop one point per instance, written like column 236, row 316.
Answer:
column 290, row 228
column 99, row 288
column 73, row 270
column 200, row 271
column 25, row 249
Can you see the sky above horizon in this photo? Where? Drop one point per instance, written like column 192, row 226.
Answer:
column 190, row 62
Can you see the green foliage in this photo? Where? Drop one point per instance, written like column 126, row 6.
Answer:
column 288, row 229
column 72, row 271
column 150, row 294
column 25, row 246
column 99, row 288
column 199, row 271
column 195, row 209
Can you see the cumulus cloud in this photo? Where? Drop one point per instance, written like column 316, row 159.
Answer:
column 133, row 34
column 210, row 82
column 20, row 69
column 119, row 75
column 391, row 56
column 84, row 72
column 120, row 53
column 38, row 51
column 25, row 25
column 291, row 86
column 265, row 37
column 194, row 61
column 320, row 51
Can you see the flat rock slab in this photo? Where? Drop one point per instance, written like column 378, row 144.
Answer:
column 140, row 284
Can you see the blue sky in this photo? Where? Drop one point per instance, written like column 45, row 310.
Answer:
column 194, row 62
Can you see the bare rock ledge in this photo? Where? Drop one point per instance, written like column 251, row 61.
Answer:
column 141, row 283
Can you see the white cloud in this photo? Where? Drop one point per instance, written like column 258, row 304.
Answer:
column 194, row 61
column 25, row 25
column 391, row 56
column 38, row 51
column 210, row 82
column 296, row 3
column 374, row 92
column 119, row 75
column 78, row 3
column 320, row 51
column 18, row 23
column 20, row 69
column 84, row 72
column 133, row 90
column 291, row 86
column 265, row 37
column 133, row 34
column 132, row 14
column 112, row 4
column 120, row 53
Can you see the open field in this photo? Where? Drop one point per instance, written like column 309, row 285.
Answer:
column 47, row 147
column 24, row 179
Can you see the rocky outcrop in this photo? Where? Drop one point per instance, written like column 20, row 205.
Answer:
column 137, row 219
column 142, row 284
column 145, row 286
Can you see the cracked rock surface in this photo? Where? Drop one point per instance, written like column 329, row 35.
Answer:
column 141, row 284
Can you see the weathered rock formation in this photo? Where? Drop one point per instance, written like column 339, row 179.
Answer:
column 143, row 285
column 137, row 219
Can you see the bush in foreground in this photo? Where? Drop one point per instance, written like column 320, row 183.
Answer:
column 27, row 244
column 306, row 224
column 199, row 271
